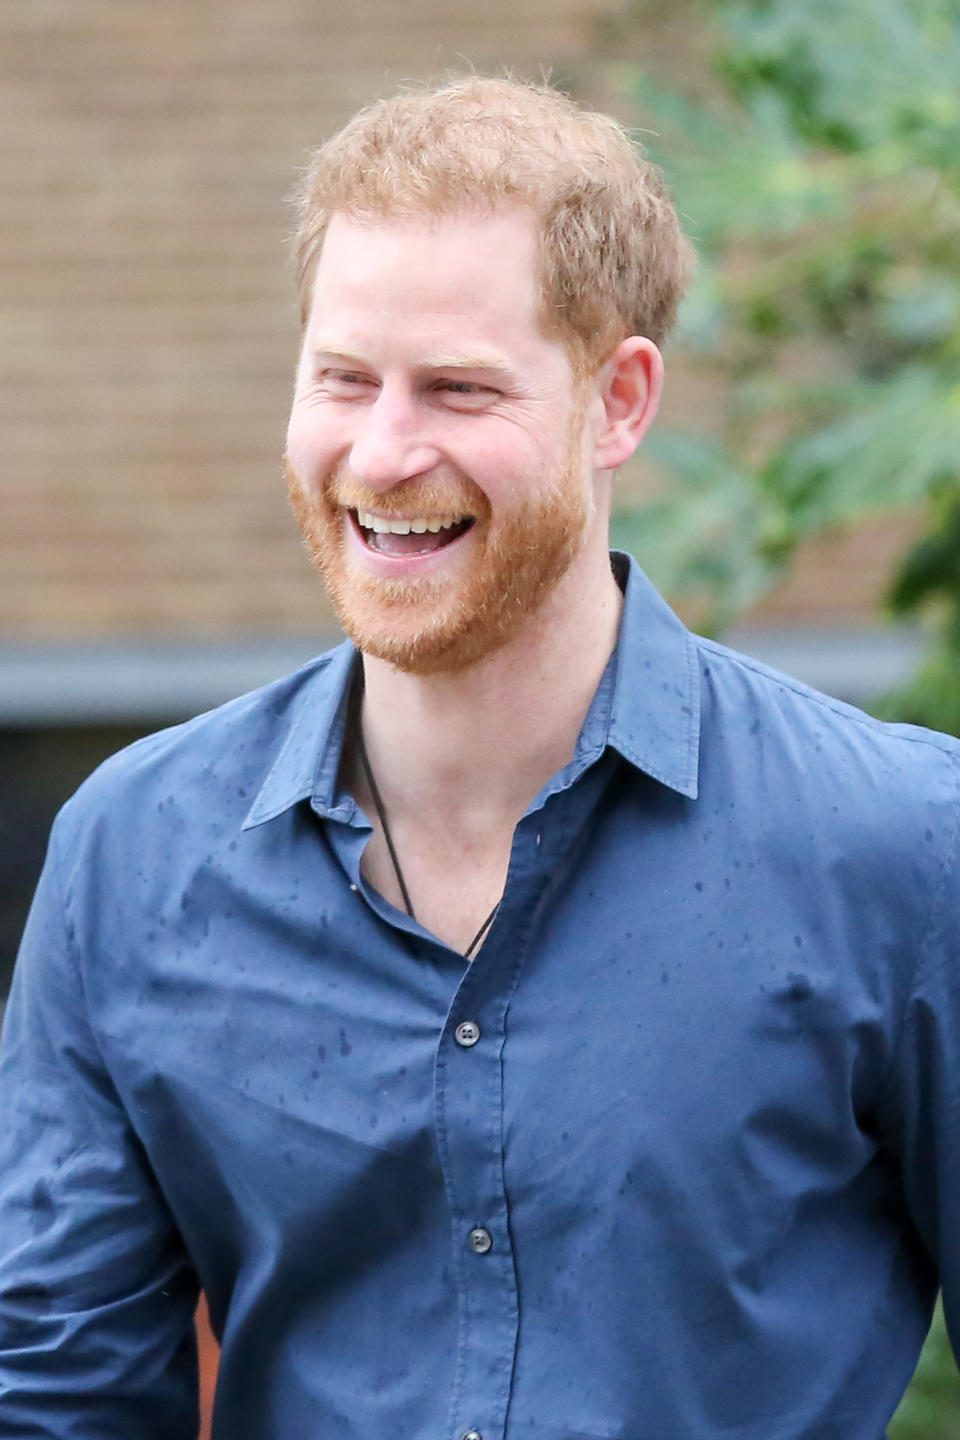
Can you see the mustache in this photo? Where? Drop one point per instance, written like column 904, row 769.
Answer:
column 418, row 496
column 430, row 496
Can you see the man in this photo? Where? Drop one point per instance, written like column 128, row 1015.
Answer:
column 529, row 1020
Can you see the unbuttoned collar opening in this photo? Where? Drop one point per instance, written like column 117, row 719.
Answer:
column 647, row 707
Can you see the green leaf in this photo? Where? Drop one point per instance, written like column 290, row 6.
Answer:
column 897, row 443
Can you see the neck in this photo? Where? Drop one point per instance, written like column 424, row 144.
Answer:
column 480, row 744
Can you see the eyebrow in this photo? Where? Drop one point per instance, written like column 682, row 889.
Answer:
column 486, row 362
column 465, row 362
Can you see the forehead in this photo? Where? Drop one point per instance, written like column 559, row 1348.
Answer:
column 474, row 275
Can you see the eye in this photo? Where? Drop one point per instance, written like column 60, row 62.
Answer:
column 347, row 384
column 465, row 394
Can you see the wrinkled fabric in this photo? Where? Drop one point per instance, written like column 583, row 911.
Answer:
column 710, row 1123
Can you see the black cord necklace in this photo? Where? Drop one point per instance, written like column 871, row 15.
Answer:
column 382, row 815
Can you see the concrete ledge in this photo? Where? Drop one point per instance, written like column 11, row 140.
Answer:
column 147, row 684
column 852, row 664
column 151, row 684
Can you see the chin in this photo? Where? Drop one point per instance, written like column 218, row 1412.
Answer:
column 444, row 644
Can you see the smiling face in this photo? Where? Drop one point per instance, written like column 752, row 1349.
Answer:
column 435, row 452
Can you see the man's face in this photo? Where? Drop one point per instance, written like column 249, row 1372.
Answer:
column 435, row 452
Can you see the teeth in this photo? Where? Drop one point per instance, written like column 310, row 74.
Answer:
column 381, row 526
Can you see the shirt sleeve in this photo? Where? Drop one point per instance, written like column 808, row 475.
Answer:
column 921, row 1112
column 96, row 1293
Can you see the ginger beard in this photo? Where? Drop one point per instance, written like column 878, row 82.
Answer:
column 444, row 623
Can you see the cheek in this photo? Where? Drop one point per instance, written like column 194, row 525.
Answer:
column 310, row 444
column 507, row 467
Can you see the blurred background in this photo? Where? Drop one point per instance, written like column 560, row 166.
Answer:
column 800, row 495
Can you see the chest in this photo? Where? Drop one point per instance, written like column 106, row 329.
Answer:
column 452, row 886
column 632, row 988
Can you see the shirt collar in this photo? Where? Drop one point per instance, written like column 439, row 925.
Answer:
column 308, row 761
column 652, row 718
column 655, row 713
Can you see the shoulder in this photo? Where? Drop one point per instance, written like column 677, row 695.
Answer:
column 748, row 688
column 204, row 773
column 808, row 751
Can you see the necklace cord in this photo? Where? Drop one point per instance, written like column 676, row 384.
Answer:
column 395, row 859
column 468, row 953
column 382, row 815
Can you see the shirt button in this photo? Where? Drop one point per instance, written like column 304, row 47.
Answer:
column 480, row 1241
column 467, row 1033
column 471, row 1435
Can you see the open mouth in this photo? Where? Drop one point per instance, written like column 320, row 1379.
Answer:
column 418, row 535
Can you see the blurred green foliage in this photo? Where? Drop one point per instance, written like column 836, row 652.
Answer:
column 930, row 1410
column 817, row 169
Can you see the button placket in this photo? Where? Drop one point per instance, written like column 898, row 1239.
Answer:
column 469, row 1109
column 469, row 1101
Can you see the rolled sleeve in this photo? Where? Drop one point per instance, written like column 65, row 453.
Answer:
column 96, row 1293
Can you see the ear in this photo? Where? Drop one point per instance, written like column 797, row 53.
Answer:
column 628, row 394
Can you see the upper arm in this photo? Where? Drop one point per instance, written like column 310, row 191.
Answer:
column 96, row 1292
column 920, row 1115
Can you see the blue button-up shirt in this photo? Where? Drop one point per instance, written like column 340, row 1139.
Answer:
column 706, row 1106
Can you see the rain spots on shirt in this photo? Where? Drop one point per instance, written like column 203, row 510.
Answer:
column 798, row 989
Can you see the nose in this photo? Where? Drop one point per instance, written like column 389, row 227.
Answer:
column 390, row 444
